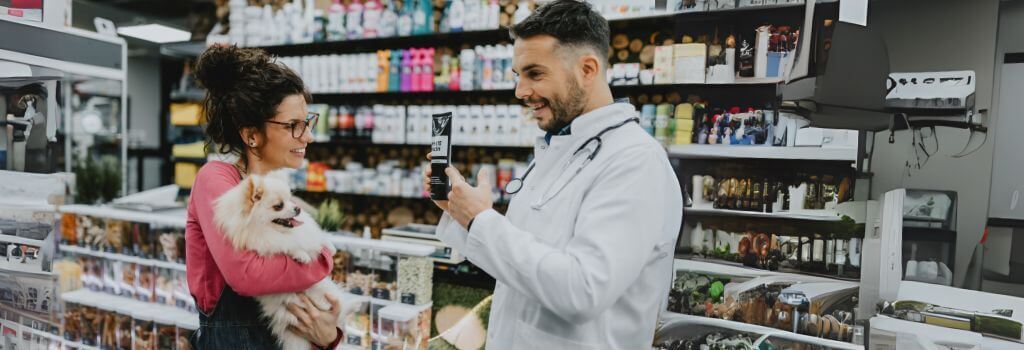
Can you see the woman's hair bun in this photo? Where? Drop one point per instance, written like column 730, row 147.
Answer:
column 220, row 68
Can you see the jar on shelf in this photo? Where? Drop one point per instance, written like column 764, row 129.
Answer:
column 415, row 280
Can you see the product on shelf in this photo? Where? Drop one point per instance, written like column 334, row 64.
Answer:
column 90, row 323
column 143, row 334
column 124, row 331
column 487, row 67
column 183, row 333
column 72, row 325
column 801, row 193
column 996, row 323
column 403, row 326
column 837, row 255
column 164, row 332
column 773, row 301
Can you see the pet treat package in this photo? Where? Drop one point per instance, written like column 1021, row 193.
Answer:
column 163, row 290
column 89, row 321
column 124, row 331
column 68, row 229
column 108, row 331
column 129, row 273
column 92, row 274
column 165, row 332
column 144, row 283
column 182, row 297
column 342, row 265
column 116, row 237
column 111, row 273
column 440, row 155
column 72, row 322
column 172, row 245
column 143, row 330
column 183, row 333
column 143, row 242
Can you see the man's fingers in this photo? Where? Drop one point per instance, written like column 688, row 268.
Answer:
column 430, row 155
column 454, row 176
column 485, row 179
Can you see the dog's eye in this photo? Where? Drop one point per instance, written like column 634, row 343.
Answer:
column 279, row 206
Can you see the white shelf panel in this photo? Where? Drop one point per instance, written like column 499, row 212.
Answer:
column 754, row 214
column 348, row 243
column 121, row 257
column 165, row 314
column 174, row 219
column 762, row 152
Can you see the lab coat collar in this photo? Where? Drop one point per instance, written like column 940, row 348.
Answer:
column 589, row 124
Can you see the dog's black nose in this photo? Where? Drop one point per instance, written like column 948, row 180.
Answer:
column 297, row 210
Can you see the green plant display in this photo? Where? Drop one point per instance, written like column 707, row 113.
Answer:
column 329, row 216
column 97, row 181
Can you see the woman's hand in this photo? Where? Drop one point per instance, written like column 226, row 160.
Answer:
column 316, row 325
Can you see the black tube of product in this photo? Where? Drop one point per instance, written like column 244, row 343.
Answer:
column 440, row 153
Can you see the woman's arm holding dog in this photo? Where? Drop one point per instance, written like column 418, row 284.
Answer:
column 246, row 272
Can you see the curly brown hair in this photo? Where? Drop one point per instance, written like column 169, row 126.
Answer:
column 244, row 86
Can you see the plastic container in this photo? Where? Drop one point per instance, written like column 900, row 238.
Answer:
column 402, row 326
column 415, row 280
column 357, row 324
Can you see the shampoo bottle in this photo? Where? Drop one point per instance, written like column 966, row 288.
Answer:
column 405, row 20
column 427, row 70
column 455, row 78
column 383, row 65
column 487, row 78
column 354, row 20
column 336, row 22
column 371, row 19
column 407, row 70
column 388, row 21
column 456, row 16
column 415, row 63
column 395, row 71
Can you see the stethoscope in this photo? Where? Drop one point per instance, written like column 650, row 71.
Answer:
column 516, row 184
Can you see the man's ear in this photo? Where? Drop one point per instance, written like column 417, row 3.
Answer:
column 590, row 68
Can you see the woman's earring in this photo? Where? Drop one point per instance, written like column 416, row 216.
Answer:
column 252, row 144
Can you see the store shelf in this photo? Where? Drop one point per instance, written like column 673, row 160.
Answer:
column 754, row 214
column 509, row 93
column 762, row 152
column 199, row 161
column 721, row 267
column 129, row 306
column 363, row 142
column 174, row 218
column 66, row 248
column 761, row 330
column 370, row 195
column 349, row 242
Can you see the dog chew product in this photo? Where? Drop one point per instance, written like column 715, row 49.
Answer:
column 440, row 151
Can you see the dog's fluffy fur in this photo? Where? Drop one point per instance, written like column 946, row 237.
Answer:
column 258, row 215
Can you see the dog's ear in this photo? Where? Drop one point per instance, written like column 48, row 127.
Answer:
column 253, row 189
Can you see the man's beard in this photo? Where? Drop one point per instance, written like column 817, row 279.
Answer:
column 564, row 110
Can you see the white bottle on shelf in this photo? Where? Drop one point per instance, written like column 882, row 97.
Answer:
column 522, row 11
column 354, row 20
column 467, row 62
column 388, row 22
column 336, row 29
column 472, row 16
column 412, row 125
column 493, row 15
column 456, row 16
column 476, row 125
column 501, row 132
column 487, row 128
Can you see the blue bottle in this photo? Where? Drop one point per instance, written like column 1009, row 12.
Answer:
column 395, row 72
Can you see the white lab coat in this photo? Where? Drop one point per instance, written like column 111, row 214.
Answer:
column 591, row 268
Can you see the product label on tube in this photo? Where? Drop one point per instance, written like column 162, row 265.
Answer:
column 440, row 153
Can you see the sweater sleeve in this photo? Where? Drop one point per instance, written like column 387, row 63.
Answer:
column 248, row 273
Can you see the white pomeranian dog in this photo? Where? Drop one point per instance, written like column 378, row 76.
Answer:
column 258, row 215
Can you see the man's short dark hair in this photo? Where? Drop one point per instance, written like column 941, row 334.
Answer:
column 573, row 23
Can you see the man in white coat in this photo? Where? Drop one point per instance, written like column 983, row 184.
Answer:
column 583, row 257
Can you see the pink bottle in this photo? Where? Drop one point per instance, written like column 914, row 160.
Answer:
column 414, row 62
column 406, row 70
column 454, row 82
column 427, row 70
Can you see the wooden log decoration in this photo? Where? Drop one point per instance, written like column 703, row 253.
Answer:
column 635, row 46
column 687, row 39
column 622, row 56
column 620, row 41
column 647, row 56
column 674, row 98
column 643, row 99
column 657, row 99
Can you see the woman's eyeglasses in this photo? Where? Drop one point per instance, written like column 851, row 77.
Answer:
column 298, row 127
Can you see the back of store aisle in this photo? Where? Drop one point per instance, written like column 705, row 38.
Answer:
column 707, row 78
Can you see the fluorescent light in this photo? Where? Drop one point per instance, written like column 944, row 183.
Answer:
column 156, row 33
